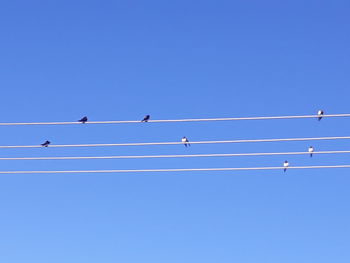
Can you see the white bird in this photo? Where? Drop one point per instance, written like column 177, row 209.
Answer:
column 185, row 141
column 320, row 114
column 311, row 150
column 285, row 165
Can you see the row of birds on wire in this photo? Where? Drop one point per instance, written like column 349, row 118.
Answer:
column 145, row 119
column 186, row 142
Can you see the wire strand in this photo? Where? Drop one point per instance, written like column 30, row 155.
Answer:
column 178, row 120
column 178, row 170
column 169, row 156
column 177, row 143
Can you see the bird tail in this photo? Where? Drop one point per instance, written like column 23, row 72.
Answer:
column 285, row 169
column 310, row 154
column 319, row 118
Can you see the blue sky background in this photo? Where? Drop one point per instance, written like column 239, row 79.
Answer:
column 119, row 60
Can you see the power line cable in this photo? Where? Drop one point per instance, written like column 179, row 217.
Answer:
column 177, row 143
column 170, row 156
column 177, row 120
column 178, row 170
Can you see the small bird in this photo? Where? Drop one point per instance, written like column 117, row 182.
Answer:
column 285, row 165
column 320, row 114
column 146, row 118
column 185, row 141
column 83, row 120
column 311, row 150
column 45, row 144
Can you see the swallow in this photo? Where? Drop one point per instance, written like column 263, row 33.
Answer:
column 285, row 165
column 320, row 114
column 45, row 144
column 185, row 141
column 83, row 120
column 146, row 118
column 311, row 150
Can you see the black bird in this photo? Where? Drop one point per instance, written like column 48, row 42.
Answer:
column 45, row 144
column 185, row 141
column 320, row 114
column 146, row 118
column 311, row 150
column 83, row 120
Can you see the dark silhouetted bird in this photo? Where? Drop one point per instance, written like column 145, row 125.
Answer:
column 83, row 120
column 45, row 144
column 311, row 150
column 185, row 141
column 320, row 114
column 285, row 165
column 146, row 118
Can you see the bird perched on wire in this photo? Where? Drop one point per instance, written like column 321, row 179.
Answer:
column 146, row 118
column 320, row 114
column 45, row 144
column 83, row 120
column 185, row 141
column 285, row 165
column 311, row 150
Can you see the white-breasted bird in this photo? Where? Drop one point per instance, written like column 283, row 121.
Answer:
column 320, row 114
column 285, row 165
column 311, row 150
column 185, row 141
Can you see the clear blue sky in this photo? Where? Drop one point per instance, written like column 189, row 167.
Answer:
column 119, row 60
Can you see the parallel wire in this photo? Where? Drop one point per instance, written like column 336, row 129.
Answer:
column 169, row 156
column 177, row 143
column 178, row 120
column 176, row 170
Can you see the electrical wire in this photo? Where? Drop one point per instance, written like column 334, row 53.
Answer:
column 177, row 143
column 178, row 120
column 177, row 170
column 169, row 156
